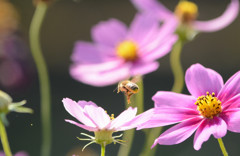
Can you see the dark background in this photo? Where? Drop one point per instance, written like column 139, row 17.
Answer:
column 68, row 21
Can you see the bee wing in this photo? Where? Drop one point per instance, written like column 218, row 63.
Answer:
column 115, row 89
column 135, row 79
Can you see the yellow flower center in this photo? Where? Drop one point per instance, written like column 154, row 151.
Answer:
column 209, row 105
column 186, row 11
column 127, row 50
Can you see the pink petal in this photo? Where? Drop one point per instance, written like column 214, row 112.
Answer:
column 219, row 127
column 179, row 132
column 85, row 52
column 142, row 68
column 200, row 80
column 21, row 153
column 168, row 115
column 83, row 103
column 141, row 118
column 231, row 103
column 120, row 122
column 221, row 22
column 154, row 7
column 109, row 33
column 161, row 38
column 104, row 74
column 159, row 49
column 216, row 126
column 143, row 27
column 231, row 88
column 89, row 128
column 98, row 116
column 232, row 118
column 174, row 100
column 77, row 111
column 167, row 29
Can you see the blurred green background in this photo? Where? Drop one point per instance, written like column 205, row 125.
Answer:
column 70, row 20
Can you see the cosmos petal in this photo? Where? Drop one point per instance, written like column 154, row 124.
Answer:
column 143, row 27
column 156, row 50
column 173, row 100
column 20, row 153
column 76, row 110
column 86, row 52
column 178, row 133
column 164, row 116
column 154, row 7
column 216, row 126
column 231, row 88
column 141, row 68
column 234, row 102
column 141, row 118
column 200, row 80
column 82, row 126
column 219, row 127
column 98, row 116
column 109, row 33
column 120, row 122
column 232, row 118
column 221, row 22
column 202, row 134
column 104, row 74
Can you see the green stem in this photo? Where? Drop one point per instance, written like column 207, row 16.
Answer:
column 4, row 139
column 129, row 135
column 177, row 70
column 151, row 135
column 103, row 148
column 139, row 97
column 176, row 66
column 44, row 83
column 221, row 144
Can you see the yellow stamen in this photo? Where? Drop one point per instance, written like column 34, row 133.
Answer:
column 112, row 117
column 127, row 50
column 209, row 105
column 186, row 11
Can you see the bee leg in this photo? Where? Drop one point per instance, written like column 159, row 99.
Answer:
column 128, row 97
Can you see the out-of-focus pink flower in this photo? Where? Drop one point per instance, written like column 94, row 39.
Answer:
column 119, row 53
column 212, row 108
column 21, row 153
column 187, row 12
column 94, row 118
column 15, row 66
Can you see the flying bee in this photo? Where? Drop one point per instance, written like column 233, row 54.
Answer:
column 128, row 87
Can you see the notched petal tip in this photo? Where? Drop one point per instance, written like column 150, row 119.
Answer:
column 228, row 16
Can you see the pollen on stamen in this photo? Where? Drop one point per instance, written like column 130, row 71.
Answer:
column 208, row 105
column 112, row 117
column 186, row 11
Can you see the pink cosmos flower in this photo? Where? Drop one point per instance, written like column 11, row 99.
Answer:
column 212, row 108
column 118, row 53
column 94, row 118
column 187, row 11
